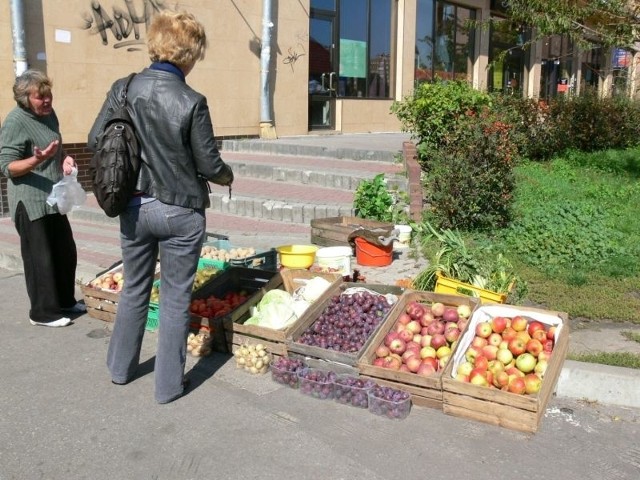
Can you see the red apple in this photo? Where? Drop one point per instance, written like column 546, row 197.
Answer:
column 413, row 363
column 414, row 326
column 426, row 369
column 415, row 309
column 540, row 335
column 483, row 329
column 450, row 315
column 438, row 340
column 535, row 325
column 524, row 335
column 462, row 323
column 405, row 335
column 392, row 362
column 398, row 346
column 435, row 327
column 427, row 318
column 404, row 368
column 509, row 333
column 404, row 318
column 382, row 351
column 519, row 323
column 479, row 341
column 478, row 377
column 494, row 339
column 547, row 345
column 432, row 361
column 517, row 385
column 425, row 341
column 410, row 353
column 490, row 351
column 481, row 362
column 534, row 347
column 498, row 324
column 389, row 337
column 417, row 338
column 379, row 361
column 544, row 355
column 517, row 346
column 501, row 379
column 452, row 334
column 551, row 333
column 532, row 383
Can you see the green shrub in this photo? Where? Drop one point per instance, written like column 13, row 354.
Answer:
column 374, row 200
column 468, row 181
column 433, row 109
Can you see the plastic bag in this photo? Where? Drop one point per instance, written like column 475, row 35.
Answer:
column 67, row 193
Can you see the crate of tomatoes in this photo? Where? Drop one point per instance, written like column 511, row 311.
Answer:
column 225, row 298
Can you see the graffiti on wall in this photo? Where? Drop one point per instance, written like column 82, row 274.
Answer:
column 293, row 54
column 122, row 22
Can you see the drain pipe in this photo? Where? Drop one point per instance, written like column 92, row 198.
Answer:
column 18, row 35
column 267, row 130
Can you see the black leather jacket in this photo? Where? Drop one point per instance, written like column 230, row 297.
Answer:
column 174, row 127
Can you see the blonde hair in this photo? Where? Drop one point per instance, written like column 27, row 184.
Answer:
column 176, row 37
column 31, row 81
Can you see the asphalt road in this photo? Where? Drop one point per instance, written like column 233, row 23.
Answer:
column 62, row 419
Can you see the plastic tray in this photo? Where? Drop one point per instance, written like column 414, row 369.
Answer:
column 397, row 409
column 352, row 390
column 320, row 385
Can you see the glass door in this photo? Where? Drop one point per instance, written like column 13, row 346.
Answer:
column 322, row 74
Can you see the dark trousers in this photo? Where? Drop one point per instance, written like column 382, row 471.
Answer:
column 49, row 257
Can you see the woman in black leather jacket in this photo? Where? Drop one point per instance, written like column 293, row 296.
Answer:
column 166, row 216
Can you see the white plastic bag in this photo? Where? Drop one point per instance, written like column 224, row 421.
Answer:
column 67, row 193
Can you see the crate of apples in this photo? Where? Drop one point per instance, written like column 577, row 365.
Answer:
column 510, row 353
column 423, row 337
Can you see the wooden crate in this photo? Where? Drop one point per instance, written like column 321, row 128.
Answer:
column 334, row 231
column 254, row 282
column 238, row 333
column 312, row 314
column 425, row 391
column 496, row 407
column 101, row 303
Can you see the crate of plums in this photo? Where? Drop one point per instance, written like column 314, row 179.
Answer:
column 337, row 328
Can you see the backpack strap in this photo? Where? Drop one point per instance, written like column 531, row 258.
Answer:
column 126, row 88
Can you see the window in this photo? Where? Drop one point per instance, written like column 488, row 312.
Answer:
column 365, row 48
column 444, row 41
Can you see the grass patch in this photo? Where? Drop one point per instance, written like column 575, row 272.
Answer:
column 615, row 359
column 633, row 336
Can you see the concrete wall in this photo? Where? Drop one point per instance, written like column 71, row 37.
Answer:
column 83, row 58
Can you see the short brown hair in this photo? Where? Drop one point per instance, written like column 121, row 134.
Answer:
column 176, row 37
column 28, row 82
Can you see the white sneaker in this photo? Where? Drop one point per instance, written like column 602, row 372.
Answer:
column 77, row 308
column 61, row 322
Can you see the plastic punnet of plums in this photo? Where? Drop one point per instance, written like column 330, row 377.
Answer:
column 347, row 322
column 316, row 383
column 284, row 370
column 351, row 390
column 389, row 402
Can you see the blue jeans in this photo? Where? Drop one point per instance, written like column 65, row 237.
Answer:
column 176, row 234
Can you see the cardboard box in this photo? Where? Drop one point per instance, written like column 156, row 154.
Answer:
column 425, row 391
column 497, row 407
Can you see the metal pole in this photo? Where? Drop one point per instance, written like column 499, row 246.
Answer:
column 18, row 35
column 266, row 123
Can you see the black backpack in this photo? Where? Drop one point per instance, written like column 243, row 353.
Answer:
column 116, row 162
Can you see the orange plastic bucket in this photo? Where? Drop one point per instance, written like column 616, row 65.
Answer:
column 369, row 254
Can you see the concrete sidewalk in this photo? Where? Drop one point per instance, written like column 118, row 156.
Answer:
column 63, row 419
